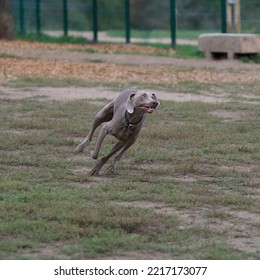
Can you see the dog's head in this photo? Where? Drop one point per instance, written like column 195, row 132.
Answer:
column 143, row 101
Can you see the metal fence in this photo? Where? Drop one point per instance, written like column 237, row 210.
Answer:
column 130, row 20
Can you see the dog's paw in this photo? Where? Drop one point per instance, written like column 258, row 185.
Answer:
column 94, row 155
column 80, row 148
column 94, row 172
column 112, row 167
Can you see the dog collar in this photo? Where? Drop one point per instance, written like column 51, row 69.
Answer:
column 128, row 124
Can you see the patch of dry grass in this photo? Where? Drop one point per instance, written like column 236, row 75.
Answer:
column 104, row 48
column 103, row 72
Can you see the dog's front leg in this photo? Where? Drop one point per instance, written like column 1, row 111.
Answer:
column 119, row 145
column 113, row 165
column 103, row 132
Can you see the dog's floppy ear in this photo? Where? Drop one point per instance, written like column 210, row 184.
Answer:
column 129, row 103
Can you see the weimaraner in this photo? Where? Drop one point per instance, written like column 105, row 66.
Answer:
column 124, row 116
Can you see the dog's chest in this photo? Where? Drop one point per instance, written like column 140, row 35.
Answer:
column 127, row 132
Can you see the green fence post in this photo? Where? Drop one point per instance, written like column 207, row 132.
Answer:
column 223, row 16
column 22, row 25
column 38, row 17
column 127, row 22
column 95, row 20
column 173, row 23
column 65, row 17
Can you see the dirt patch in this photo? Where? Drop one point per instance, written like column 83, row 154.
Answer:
column 243, row 235
column 79, row 93
column 45, row 252
column 157, row 207
column 140, row 255
column 239, row 168
column 231, row 116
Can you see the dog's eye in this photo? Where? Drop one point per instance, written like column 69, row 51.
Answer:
column 144, row 95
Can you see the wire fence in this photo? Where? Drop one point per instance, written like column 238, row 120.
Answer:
column 115, row 20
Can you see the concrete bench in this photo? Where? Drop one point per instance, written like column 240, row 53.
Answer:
column 229, row 44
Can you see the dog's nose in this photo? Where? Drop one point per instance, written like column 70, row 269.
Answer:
column 155, row 102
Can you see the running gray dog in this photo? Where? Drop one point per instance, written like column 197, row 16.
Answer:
column 124, row 116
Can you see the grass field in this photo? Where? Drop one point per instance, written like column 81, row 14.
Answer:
column 188, row 189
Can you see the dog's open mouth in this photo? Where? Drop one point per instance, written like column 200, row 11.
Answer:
column 147, row 108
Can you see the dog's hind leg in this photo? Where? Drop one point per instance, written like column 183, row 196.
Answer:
column 104, row 115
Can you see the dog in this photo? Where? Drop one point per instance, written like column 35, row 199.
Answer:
column 124, row 116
